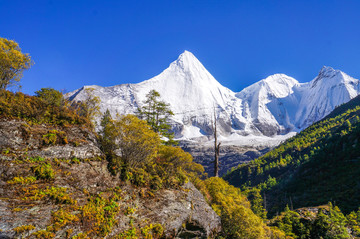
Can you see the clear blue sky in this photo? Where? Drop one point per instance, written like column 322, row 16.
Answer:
column 75, row 43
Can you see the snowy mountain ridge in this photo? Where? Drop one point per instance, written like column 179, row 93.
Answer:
column 273, row 106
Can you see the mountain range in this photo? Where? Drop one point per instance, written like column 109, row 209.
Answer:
column 276, row 106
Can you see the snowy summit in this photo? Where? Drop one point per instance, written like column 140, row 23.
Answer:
column 277, row 105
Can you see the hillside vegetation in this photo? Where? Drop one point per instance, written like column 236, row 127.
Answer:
column 55, row 183
column 106, row 195
column 319, row 165
column 79, row 197
column 39, row 110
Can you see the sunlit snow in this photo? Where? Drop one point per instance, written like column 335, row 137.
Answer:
column 264, row 113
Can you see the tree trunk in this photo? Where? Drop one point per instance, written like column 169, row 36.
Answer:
column 217, row 150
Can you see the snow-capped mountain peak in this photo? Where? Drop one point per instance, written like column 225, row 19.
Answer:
column 277, row 85
column 329, row 89
column 187, row 60
column 275, row 105
column 187, row 69
column 280, row 78
column 326, row 75
column 184, row 82
column 280, row 85
column 328, row 71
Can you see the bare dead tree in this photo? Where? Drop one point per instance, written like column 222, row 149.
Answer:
column 217, row 148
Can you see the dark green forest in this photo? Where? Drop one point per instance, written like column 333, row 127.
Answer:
column 320, row 165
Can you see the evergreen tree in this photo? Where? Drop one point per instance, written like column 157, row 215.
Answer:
column 331, row 224
column 107, row 133
column 157, row 113
column 51, row 96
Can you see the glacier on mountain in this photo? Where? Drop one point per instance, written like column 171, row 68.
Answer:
column 269, row 110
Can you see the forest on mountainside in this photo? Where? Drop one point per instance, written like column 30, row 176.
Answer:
column 319, row 165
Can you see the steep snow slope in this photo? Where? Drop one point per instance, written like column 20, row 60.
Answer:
column 192, row 92
column 274, row 106
column 269, row 111
column 320, row 96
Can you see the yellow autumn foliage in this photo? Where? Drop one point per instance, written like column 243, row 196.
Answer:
column 237, row 218
column 136, row 143
column 175, row 158
column 12, row 63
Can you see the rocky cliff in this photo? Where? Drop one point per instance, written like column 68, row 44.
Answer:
column 54, row 182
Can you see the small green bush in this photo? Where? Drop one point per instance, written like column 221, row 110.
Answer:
column 35, row 160
column 50, row 138
column 21, row 180
column 99, row 214
column 55, row 136
column 75, row 160
column 58, row 195
column 44, row 171
column 23, row 228
column 152, row 231
column 50, row 96
column 140, row 177
column 156, row 183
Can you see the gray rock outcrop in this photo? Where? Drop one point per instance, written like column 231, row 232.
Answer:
column 19, row 138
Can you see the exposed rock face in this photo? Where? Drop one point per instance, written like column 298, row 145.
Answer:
column 173, row 209
column 92, row 176
column 183, row 212
column 68, row 151
column 20, row 138
column 230, row 156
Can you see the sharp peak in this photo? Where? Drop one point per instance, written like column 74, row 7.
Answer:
column 187, row 60
column 328, row 71
column 186, row 56
column 327, row 68
column 187, row 52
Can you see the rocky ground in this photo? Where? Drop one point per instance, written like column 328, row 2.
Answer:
column 19, row 138
column 79, row 193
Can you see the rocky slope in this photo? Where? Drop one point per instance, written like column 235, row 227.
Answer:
column 68, row 191
column 230, row 155
column 21, row 139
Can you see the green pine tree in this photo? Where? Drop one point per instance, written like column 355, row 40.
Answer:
column 157, row 113
column 107, row 133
